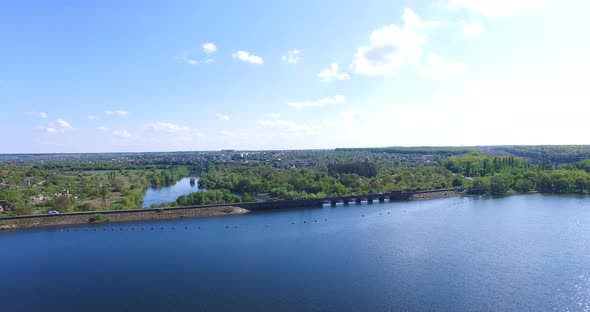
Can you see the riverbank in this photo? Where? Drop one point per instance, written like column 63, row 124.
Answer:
column 426, row 195
column 205, row 211
column 117, row 216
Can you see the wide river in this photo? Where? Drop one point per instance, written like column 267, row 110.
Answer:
column 518, row 253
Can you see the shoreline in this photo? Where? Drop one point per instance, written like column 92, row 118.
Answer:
column 427, row 195
column 117, row 217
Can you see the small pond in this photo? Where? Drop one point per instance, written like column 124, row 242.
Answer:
column 170, row 193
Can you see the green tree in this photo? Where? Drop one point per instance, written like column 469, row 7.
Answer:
column 500, row 183
column 24, row 210
column 481, row 185
column 63, row 203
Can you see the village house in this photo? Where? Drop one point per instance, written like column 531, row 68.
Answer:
column 4, row 204
column 28, row 181
column 37, row 198
column 4, row 185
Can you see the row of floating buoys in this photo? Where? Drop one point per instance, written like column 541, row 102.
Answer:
column 173, row 228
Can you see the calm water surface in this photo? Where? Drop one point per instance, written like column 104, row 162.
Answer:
column 168, row 194
column 519, row 253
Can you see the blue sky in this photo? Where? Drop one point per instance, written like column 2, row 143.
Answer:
column 106, row 76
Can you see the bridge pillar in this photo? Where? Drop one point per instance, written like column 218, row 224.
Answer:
column 333, row 202
column 345, row 202
column 358, row 200
column 382, row 199
column 370, row 200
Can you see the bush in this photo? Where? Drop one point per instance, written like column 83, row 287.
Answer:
column 23, row 210
column 97, row 218
column 85, row 207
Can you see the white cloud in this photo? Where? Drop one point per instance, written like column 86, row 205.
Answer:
column 59, row 125
column 436, row 67
column 413, row 21
column 209, row 60
column 187, row 59
column 292, row 57
column 120, row 113
column 166, row 127
column 472, row 29
column 47, row 129
column 274, row 115
column 497, row 8
column 102, row 128
column 247, row 57
column 209, row 47
column 222, row 117
column 41, row 115
column 122, row 133
column 63, row 124
column 92, row 117
column 333, row 73
column 392, row 46
column 338, row 99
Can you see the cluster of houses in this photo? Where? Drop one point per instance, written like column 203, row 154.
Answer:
column 37, row 199
column 29, row 181
column 4, row 185
column 4, row 205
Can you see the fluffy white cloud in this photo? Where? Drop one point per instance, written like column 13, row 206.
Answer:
column 42, row 115
column 120, row 113
column 338, row 99
column 166, row 127
column 209, row 47
column 122, row 133
column 92, row 117
column 63, row 124
column 102, row 128
column 222, row 117
column 247, row 57
column 274, row 115
column 436, row 67
column 497, row 8
column 59, row 125
column 333, row 73
column 472, row 29
column 209, row 60
column 392, row 46
column 292, row 57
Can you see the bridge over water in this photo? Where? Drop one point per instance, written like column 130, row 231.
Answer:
column 369, row 198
